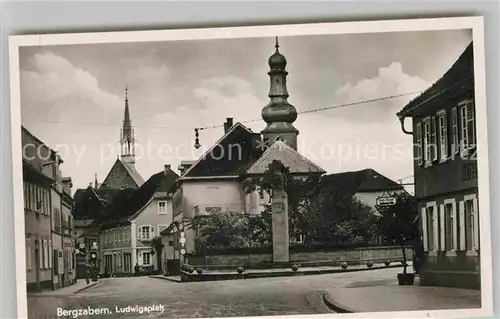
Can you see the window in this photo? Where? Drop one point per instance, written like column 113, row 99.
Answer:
column 430, row 148
column 28, row 254
column 162, row 207
column 146, row 258
column 430, row 227
column 471, row 223
column 427, row 139
column 443, row 135
column 419, row 147
column 467, row 125
column 455, row 133
column 450, row 225
column 145, row 232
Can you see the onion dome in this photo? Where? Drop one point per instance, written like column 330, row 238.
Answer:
column 277, row 61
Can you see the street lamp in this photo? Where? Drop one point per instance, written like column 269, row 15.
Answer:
column 94, row 259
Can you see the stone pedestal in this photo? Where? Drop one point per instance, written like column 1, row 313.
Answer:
column 280, row 227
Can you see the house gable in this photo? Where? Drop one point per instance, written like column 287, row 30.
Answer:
column 230, row 156
column 88, row 205
column 290, row 158
column 121, row 176
column 365, row 181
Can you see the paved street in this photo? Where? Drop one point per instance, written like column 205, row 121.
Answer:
column 250, row 297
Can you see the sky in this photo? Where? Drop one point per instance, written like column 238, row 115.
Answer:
column 72, row 96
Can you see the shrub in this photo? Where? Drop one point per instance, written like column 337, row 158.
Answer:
column 343, row 265
column 387, row 263
column 190, row 269
column 369, row 264
column 240, row 270
column 199, row 271
column 295, row 268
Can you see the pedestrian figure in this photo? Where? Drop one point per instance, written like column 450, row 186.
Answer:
column 136, row 270
column 87, row 272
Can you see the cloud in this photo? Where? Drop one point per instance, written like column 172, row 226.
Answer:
column 390, row 81
column 55, row 89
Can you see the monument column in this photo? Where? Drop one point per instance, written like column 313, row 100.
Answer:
column 281, row 237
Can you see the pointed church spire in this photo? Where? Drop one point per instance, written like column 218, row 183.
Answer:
column 127, row 140
column 126, row 118
column 279, row 114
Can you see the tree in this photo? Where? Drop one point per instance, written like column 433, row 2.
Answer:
column 300, row 190
column 157, row 245
column 398, row 223
column 337, row 219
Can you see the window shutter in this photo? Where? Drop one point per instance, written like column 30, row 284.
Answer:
column 151, row 232
column 455, row 132
column 455, row 226
column 435, row 227
column 40, row 254
column 442, row 237
column 139, row 232
column 476, row 224
column 46, row 254
column 28, row 251
column 49, row 251
column 470, row 125
column 445, row 146
column 461, row 217
column 433, row 139
column 424, row 229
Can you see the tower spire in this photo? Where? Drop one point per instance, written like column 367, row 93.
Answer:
column 127, row 139
column 279, row 114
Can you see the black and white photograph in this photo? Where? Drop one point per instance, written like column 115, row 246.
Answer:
column 316, row 170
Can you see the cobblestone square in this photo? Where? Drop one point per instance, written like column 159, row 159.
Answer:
column 250, row 297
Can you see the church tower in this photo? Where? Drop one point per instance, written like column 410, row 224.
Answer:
column 279, row 114
column 127, row 139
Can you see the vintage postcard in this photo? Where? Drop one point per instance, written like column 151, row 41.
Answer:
column 310, row 170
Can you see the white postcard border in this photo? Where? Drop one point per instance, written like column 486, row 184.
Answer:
column 402, row 25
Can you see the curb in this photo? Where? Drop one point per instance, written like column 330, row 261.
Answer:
column 87, row 287
column 333, row 306
column 168, row 279
column 235, row 276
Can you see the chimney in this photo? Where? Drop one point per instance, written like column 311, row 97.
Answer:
column 166, row 168
column 181, row 169
column 228, row 124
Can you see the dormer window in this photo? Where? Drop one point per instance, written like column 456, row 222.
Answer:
column 162, row 207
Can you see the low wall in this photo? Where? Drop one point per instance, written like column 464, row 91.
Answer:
column 351, row 256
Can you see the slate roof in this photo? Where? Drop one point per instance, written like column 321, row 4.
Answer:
column 88, row 205
column 125, row 203
column 134, row 174
column 461, row 73
column 119, row 167
column 241, row 149
column 288, row 156
column 350, row 183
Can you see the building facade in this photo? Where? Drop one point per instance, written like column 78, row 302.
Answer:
column 128, row 233
column 445, row 169
column 47, row 198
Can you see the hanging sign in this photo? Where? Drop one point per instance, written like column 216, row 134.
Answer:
column 386, row 201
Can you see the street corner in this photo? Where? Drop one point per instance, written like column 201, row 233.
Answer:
column 337, row 301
